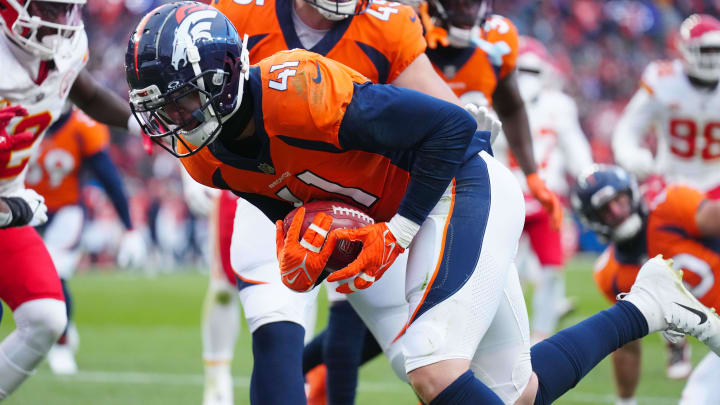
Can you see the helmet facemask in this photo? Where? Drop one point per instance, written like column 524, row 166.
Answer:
column 47, row 28
column 463, row 19
column 188, row 116
column 339, row 10
column 700, row 47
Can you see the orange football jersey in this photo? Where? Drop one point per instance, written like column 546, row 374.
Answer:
column 300, row 100
column 379, row 43
column 615, row 271
column 673, row 232
column 479, row 68
column 55, row 172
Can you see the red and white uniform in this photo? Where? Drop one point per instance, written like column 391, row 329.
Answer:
column 41, row 88
column 560, row 149
column 686, row 122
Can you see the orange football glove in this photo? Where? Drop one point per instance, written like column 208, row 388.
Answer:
column 547, row 198
column 379, row 251
column 302, row 261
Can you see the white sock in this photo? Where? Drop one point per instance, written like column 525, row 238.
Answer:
column 221, row 322
column 547, row 289
column 625, row 401
column 39, row 324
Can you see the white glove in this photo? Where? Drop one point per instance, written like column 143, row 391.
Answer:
column 486, row 120
column 641, row 164
column 199, row 198
column 132, row 250
column 37, row 213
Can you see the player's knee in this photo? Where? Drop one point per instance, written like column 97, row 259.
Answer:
column 222, row 292
column 41, row 321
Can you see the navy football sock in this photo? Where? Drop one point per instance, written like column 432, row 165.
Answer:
column 313, row 352
column 371, row 348
column 343, row 353
column 467, row 390
column 277, row 365
column 68, row 309
column 563, row 359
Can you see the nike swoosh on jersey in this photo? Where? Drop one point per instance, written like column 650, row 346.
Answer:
column 317, row 79
column 703, row 317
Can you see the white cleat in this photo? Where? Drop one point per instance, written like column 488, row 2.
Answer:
column 662, row 298
column 218, row 387
column 61, row 359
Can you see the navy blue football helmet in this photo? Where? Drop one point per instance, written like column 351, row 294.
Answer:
column 594, row 189
column 186, row 68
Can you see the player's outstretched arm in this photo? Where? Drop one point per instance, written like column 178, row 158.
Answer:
column 421, row 76
column 101, row 104
column 708, row 218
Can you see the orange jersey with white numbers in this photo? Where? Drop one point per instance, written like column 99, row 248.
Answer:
column 300, row 100
column 55, row 173
column 615, row 270
column 673, row 232
column 476, row 71
column 379, row 43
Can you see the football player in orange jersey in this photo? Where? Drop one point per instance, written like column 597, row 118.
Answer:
column 384, row 42
column 475, row 52
column 299, row 127
column 74, row 143
column 681, row 223
column 43, row 48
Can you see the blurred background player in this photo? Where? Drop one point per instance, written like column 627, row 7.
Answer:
column 680, row 100
column 560, row 148
column 44, row 51
column 475, row 52
column 682, row 224
column 74, row 144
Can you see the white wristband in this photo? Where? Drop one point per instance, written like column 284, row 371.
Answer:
column 133, row 126
column 403, row 229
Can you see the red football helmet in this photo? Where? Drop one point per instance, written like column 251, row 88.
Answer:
column 700, row 46
column 45, row 27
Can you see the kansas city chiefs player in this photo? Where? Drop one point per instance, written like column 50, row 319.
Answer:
column 681, row 99
column 43, row 48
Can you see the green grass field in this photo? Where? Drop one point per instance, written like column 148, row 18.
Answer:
column 140, row 344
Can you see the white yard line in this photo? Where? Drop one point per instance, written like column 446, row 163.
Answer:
column 138, row 377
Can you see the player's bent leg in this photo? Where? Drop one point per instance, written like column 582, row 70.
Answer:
column 702, row 387
column 502, row 360
column 221, row 315
column 626, row 365
column 657, row 301
column 458, row 266
column 39, row 323
column 384, row 311
column 343, row 352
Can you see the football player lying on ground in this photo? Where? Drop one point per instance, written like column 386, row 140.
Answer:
column 421, row 170
column 681, row 223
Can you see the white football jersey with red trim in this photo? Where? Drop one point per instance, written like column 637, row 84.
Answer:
column 39, row 88
column 559, row 145
column 686, row 120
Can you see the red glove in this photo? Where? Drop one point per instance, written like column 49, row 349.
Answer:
column 12, row 142
column 547, row 198
column 379, row 251
column 302, row 261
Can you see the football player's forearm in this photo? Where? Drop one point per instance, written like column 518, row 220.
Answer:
column 421, row 76
column 510, row 108
column 633, row 125
column 106, row 172
column 98, row 102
